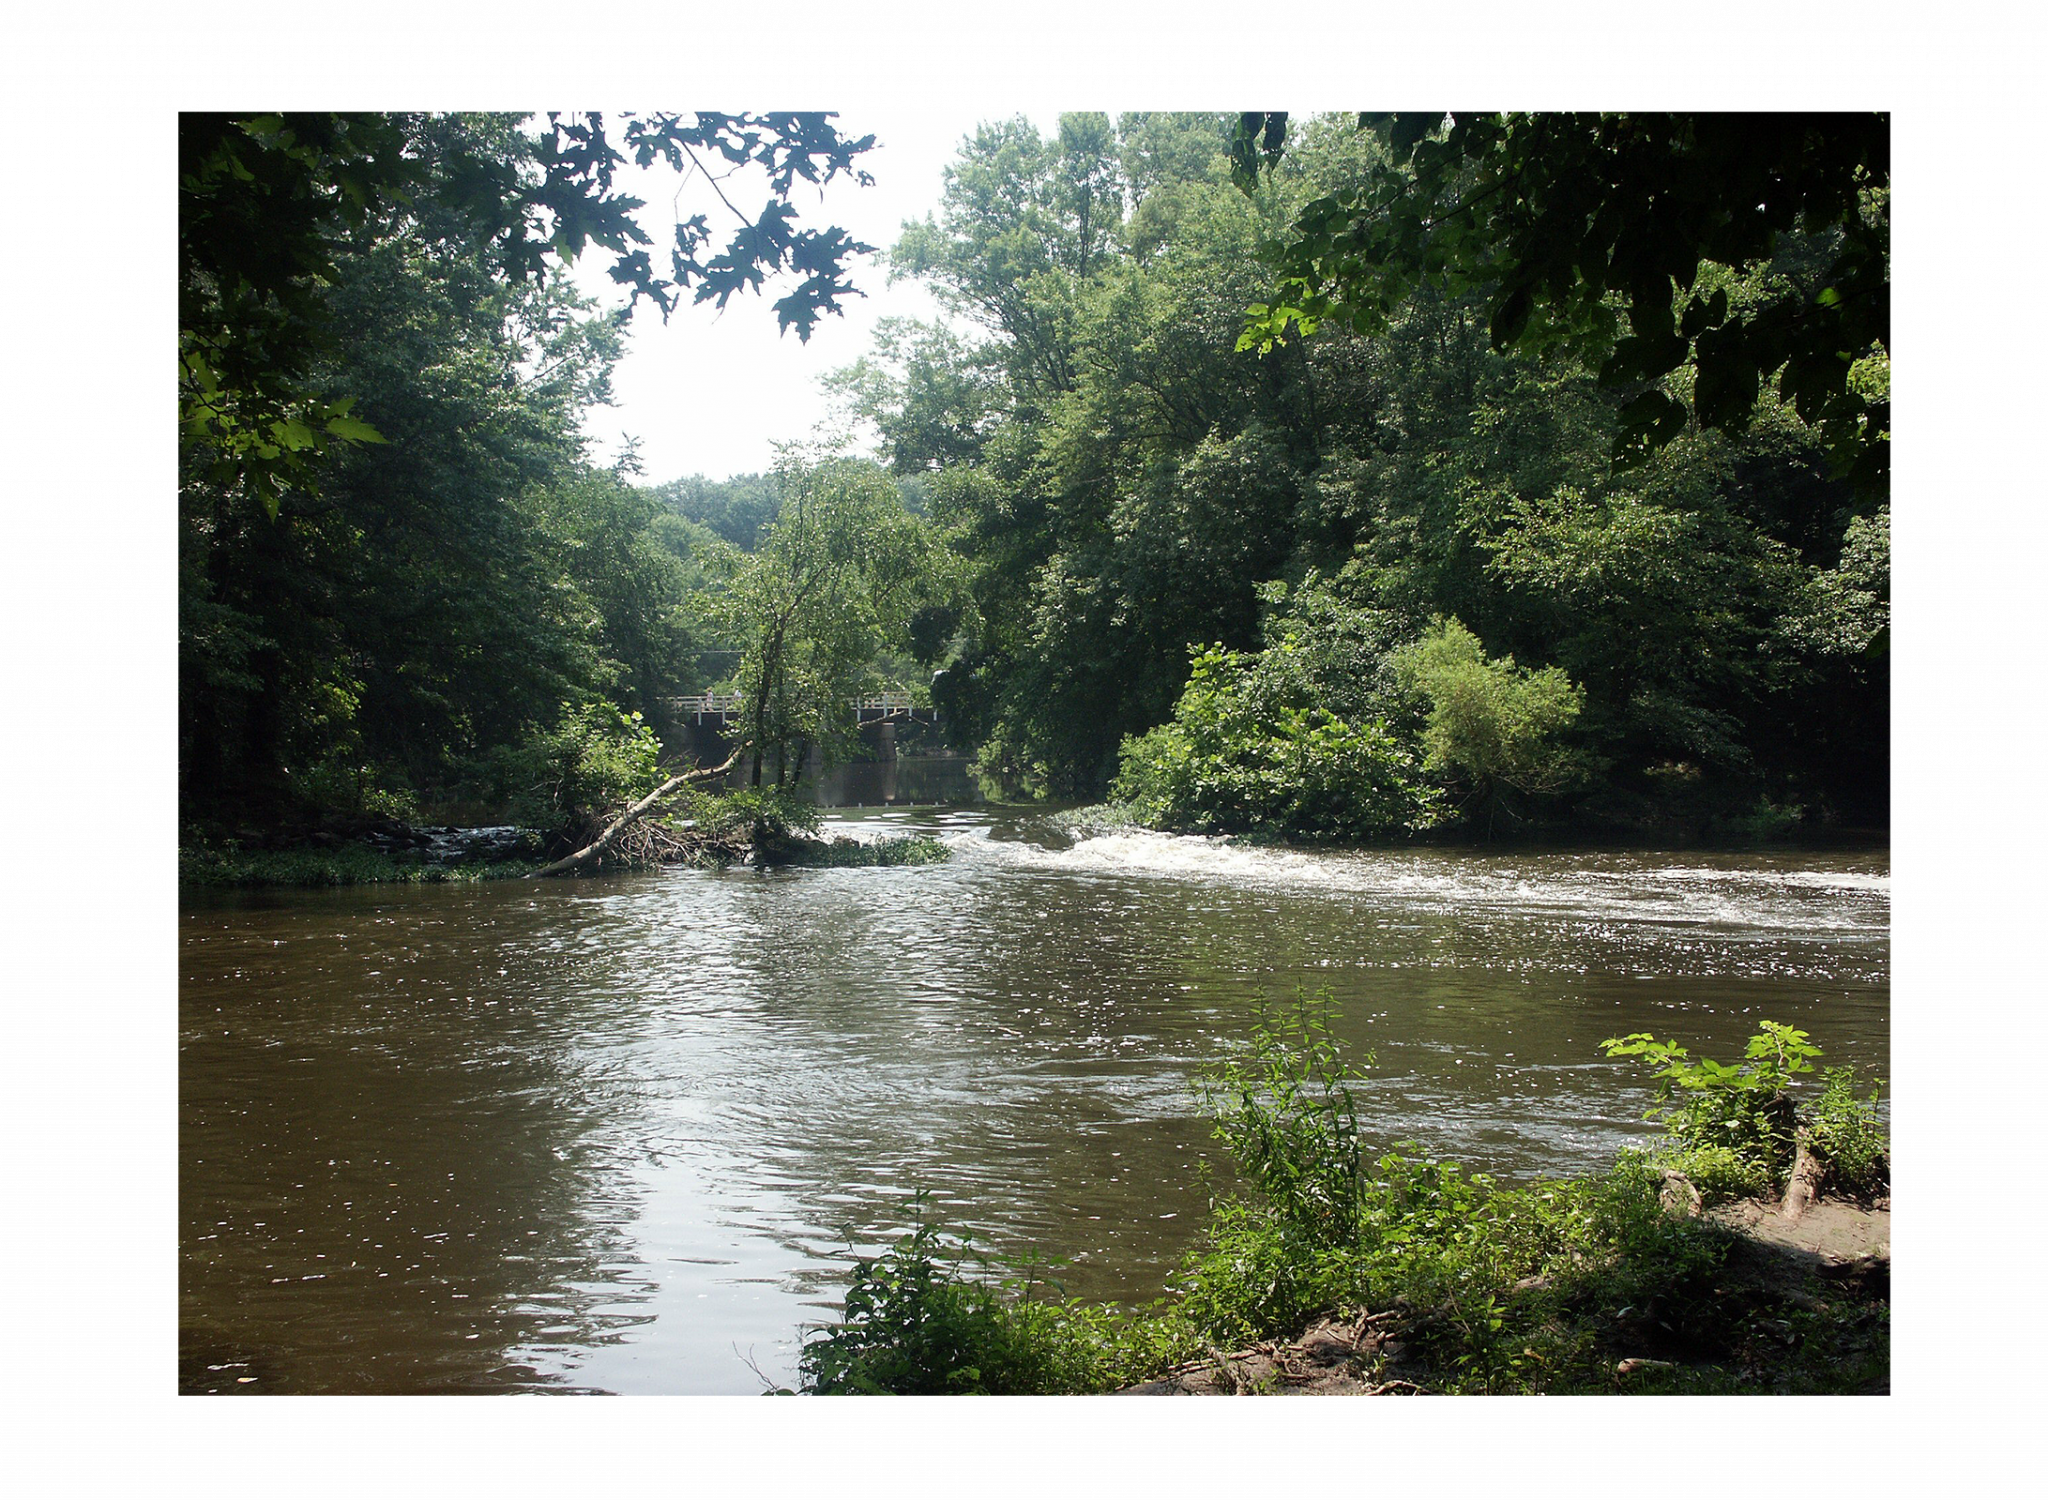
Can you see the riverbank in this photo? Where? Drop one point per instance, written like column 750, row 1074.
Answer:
column 345, row 863
column 1331, row 1274
column 1798, row 1308
column 1580, row 1287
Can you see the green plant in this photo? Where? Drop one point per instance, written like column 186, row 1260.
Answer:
column 1848, row 1135
column 1247, row 753
column 1490, row 723
column 341, row 779
column 775, row 819
column 1745, row 1107
column 1763, row 822
column 596, row 758
column 916, row 1322
column 842, row 853
column 1721, row 1173
column 913, row 1325
column 1289, row 1119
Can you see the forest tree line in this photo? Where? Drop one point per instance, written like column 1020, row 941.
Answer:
column 1369, row 567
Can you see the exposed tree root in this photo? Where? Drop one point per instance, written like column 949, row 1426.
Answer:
column 1804, row 1184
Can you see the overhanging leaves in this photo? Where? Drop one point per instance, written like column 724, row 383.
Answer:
column 1562, row 221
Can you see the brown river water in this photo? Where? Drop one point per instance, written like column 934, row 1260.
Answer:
column 620, row 1134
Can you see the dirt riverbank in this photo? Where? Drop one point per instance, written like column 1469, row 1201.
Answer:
column 1834, row 1263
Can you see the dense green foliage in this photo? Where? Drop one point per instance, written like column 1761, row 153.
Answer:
column 1248, row 750
column 269, row 205
column 1489, row 725
column 423, row 619
column 1670, row 639
column 1377, row 579
column 1564, row 223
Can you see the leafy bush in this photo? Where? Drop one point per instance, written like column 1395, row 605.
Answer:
column 1847, row 1133
column 916, row 1323
column 1259, row 1275
column 912, row 849
column 1244, row 753
column 1490, row 722
column 1289, row 1120
column 1721, row 1173
column 342, row 780
column 596, row 758
column 1764, row 821
column 1746, row 1108
column 1734, row 1129
column 913, row 1326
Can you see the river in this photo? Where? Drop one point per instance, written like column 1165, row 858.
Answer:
column 618, row 1134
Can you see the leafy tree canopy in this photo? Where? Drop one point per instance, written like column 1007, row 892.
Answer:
column 268, row 203
column 1569, row 222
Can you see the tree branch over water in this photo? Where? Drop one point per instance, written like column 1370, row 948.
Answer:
column 592, row 851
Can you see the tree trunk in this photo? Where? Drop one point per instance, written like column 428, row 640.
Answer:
column 620, row 824
column 1804, row 1184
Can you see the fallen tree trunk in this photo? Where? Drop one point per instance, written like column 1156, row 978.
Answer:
column 595, row 849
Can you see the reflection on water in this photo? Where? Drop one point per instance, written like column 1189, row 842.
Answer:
column 617, row 1134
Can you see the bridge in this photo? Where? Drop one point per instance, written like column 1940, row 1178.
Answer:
column 870, row 709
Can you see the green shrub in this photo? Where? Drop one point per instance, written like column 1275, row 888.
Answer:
column 1491, row 723
column 1746, row 1108
column 917, row 1323
column 1259, row 1275
column 1734, row 1129
column 1722, row 1173
column 764, row 812
column 1246, row 753
column 341, row 780
column 1289, row 1120
column 596, row 758
column 1847, row 1133
column 843, row 853
column 913, row 1325
column 1766, row 821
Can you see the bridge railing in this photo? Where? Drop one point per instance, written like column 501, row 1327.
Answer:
column 731, row 703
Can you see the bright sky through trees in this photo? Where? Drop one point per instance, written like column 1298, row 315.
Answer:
column 711, row 393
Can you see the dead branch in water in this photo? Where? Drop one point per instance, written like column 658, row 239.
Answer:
column 596, row 848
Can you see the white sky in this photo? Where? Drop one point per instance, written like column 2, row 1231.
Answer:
column 711, row 393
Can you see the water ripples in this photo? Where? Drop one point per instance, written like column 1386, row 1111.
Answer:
column 648, row 1113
